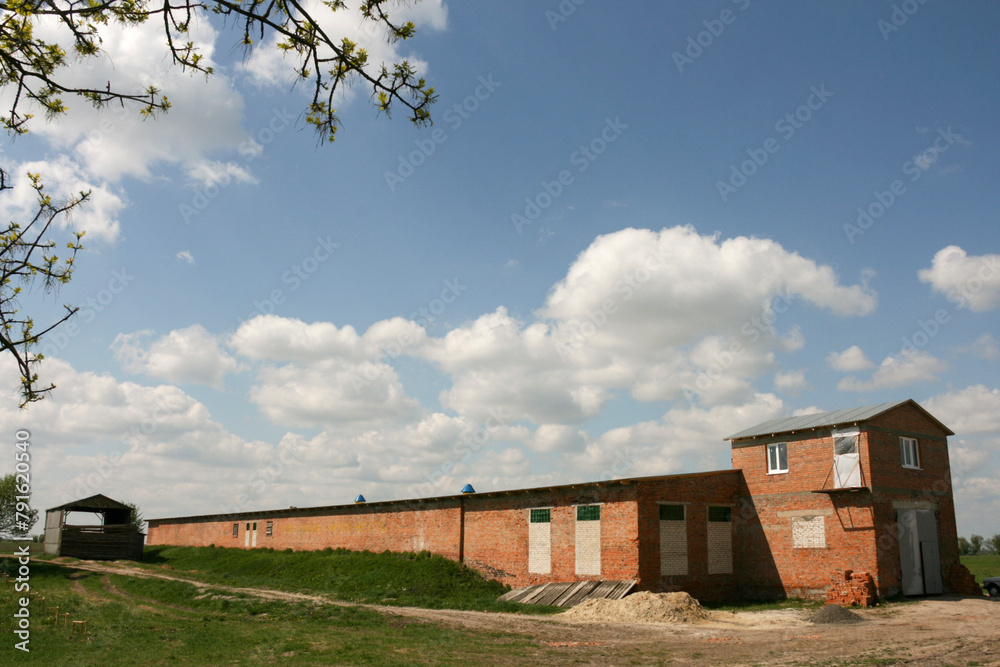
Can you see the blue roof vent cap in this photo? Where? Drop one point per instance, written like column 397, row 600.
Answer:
column 468, row 489
column 360, row 499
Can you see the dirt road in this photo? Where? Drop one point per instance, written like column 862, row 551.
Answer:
column 934, row 631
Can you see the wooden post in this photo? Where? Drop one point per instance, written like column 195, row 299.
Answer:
column 57, row 615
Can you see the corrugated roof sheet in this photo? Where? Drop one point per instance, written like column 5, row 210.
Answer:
column 817, row 420
column 568, row 593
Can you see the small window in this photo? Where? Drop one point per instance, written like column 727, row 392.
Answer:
column 671, row 512
column 777, row 458
column 255, row 526
column 269, row 529
column 236, row 530
column 720, row 514
column 588, row 513
column 541, row 516
column 909, row 453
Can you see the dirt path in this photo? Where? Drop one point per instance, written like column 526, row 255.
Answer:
column 936, row 631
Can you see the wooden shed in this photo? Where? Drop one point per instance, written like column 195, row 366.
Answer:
column 116, row 538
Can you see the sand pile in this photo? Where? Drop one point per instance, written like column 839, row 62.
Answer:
column 834, row 613
column 642, row 607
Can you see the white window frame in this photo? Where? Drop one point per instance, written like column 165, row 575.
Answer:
column 909, row 453
column 776, row 469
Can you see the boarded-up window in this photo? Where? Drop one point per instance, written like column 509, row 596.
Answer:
column 588, row 539
column 673, row 541
column 720, row 540
column 540, row 541
column 808, row 532
column 269, row 529
column 846, row 459
column 236, row 530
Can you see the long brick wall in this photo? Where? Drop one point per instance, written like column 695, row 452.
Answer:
column 740, row 533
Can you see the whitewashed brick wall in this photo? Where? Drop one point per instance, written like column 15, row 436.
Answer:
column 540, row 548
column 673, row 548
column 808, row 532
column 588, row 547
column 720, row 547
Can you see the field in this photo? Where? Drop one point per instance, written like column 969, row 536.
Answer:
column 213, row 606
column 983, row 566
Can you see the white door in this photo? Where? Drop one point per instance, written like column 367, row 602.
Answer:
column 253, row 537
column 909, row 553
column 246, row 536
column 932, row 567
column 919, row 556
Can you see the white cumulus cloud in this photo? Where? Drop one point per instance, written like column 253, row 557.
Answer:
column 972, row 281
column 190, row 355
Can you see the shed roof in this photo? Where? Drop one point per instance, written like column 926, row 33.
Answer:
column 98, row 503
column 829, row 420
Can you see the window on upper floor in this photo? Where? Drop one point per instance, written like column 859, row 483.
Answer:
column 777, row 458
column 909, row 452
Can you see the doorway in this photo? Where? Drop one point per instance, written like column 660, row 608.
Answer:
column 919, row 554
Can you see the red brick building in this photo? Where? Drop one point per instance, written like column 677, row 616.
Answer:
column 865, row 490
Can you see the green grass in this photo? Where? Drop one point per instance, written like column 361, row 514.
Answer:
column 156, row 622
column 982, row 566
column 406, row 579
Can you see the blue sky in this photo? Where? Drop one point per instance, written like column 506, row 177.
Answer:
column 626, row 236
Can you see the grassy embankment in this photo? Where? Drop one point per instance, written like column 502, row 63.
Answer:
column 154, row 622
column 401, row 579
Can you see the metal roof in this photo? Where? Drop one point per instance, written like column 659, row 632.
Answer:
column 827, row 419
column 412, row 502
column 97, row 503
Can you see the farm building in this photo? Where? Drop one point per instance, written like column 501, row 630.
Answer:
column 809, row 501
column 115, row 538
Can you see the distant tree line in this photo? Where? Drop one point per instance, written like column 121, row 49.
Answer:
column 977, row 544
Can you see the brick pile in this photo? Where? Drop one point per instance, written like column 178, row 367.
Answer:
column 850, row 588
column 962, row 582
